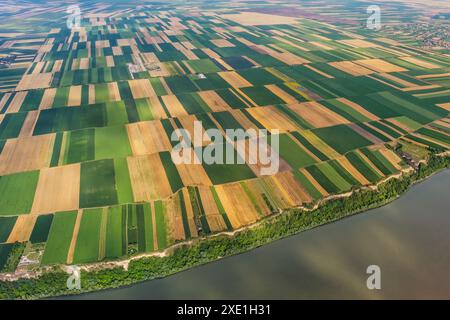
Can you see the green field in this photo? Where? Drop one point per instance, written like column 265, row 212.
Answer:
column 81, row 146
column 111, row 142
column 171, row 171
column 18, row 190
column 363, row 167
column 160, row 225
column 6, row 226
column 115, row 233
column 123, row 183
column 5, row 249
column 341, row 138
column 87, row 246
column 41, row 229
column 293, row 154
column 59, row 238
column 97, row 184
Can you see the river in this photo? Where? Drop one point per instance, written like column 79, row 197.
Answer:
column 408, row 239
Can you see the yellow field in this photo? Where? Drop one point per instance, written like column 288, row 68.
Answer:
column 258, row 19
column 234, row 79
column 141, row 88
column 26, row 154
column 317, row 115
column 49, row 196
column 237, row 205
column 351, row 68
column 380, row 65
column 148, row 178
column 147, row 137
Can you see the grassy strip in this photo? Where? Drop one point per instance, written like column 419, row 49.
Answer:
column 161, row 235
column 206, row 250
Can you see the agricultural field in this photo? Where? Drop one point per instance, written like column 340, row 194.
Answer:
column 87, row 117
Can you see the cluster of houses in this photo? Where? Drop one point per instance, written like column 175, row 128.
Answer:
column 433, row 35
column 409, row 160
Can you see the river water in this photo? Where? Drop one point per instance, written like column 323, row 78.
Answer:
column 408, row 239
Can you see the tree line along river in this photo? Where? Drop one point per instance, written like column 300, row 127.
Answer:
column 408, row 239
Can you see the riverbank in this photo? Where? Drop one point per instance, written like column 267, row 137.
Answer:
column 407, row 239
column 286, row 224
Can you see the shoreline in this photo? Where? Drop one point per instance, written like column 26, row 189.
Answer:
column 51, row 282
column 104, row 265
